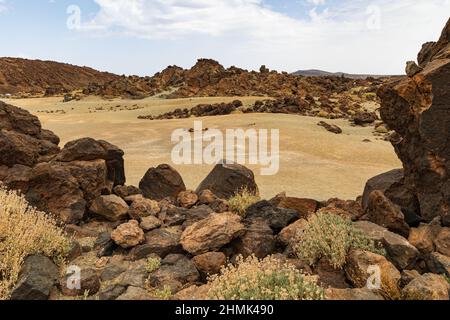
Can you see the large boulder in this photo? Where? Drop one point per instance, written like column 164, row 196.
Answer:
column 227, row 180
column 16, row 119
column 37, row 277
column 277, row 218
column 427, row 287
column 392, row 185
column 161, row 242
column 399, row 251
column 110, row 207
column 358, row 270
column 87, row 149
column 175, row 272
column 417, row 108
column 258, row 240
column 162, row 182
column 212, row 233
column 383, row 212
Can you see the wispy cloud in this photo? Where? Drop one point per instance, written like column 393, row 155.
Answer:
column 3, row 7
column 360, row 33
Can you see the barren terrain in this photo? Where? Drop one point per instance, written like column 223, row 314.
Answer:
column 314, row 162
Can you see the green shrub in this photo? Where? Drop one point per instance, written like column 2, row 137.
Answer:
column 268, row 279
column 331, row 237
column 241, row 201
column 153, row 264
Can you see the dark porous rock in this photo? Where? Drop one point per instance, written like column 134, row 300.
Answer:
column 37, row 277
column 113, row 270
column 126, row 191
column 442, row 241
column 89, row 283
column 111, row 292
column 175, row 272
column 399, row 251
column 439, row 263
column 161, row 241
column 304, row 207
column 135, row 276
column 277, row 218
column 330, row 127
column 417, row 109
column 105, row 245
column 427, row 287
column 258, row 240
column 329, row 276
column 364, row 118
column 197, row 214
column 354, row 209
column 382, row 183
column 227, row 180
column 408, row 276
column 161, row 182
column 209, row 263
column 136, row 294
column 88, row 149
column 352, row 294
column 110, row 207
column 387, row 214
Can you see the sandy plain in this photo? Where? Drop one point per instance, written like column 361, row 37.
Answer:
column 314, row 163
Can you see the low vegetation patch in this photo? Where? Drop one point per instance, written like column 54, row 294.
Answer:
column 153, row 264
column 331, row 237
column 25, row 231
column 268, row 279
column 242, row 200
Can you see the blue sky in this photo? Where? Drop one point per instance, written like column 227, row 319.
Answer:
column 144, row 36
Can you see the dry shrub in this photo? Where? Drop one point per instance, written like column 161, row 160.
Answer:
column 268, row 279
column 153, row 264
column 25, row 231
column 241, row 201
column 331, row 237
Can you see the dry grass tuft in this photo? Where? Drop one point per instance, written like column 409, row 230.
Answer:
column 25, row 231
column 268, row 279
column 241, row 201
column 331, row 237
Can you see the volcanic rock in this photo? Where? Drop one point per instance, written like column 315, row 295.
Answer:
column 227, row 180
column 417, row 109
column 162, row 182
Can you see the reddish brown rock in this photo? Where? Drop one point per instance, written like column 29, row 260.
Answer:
column 162, row 182
column 110, row 207
column 210, row 263
column 141, row 208
column 386, row 214
column 212, row 233
column 187, row 199
column 227, row 180
column 417, row 109
column 128, row 235
column 304, row 207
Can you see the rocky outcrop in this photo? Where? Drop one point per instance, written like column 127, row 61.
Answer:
column 227, row 180
column 417, row 108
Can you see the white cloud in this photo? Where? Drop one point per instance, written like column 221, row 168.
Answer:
column 3, row 7
column 354, row 36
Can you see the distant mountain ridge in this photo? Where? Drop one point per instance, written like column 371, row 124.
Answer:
column 19, row 75
column 321, row 73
